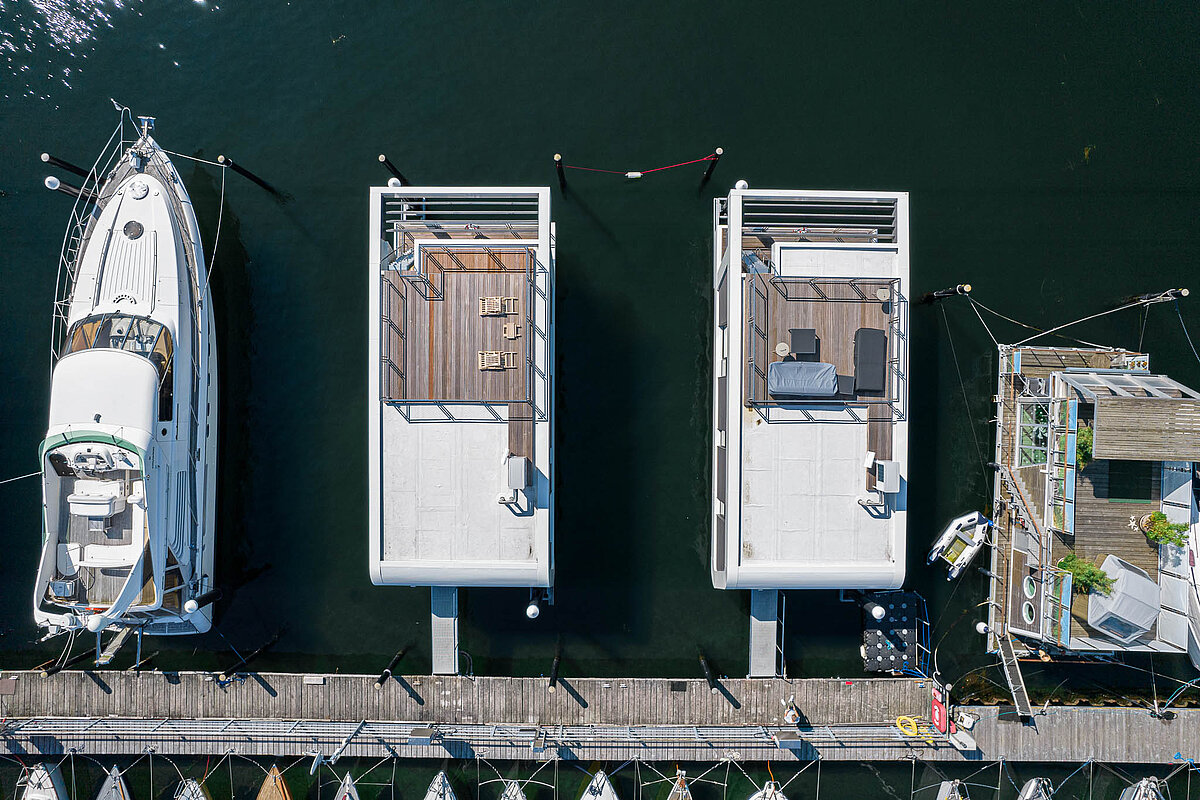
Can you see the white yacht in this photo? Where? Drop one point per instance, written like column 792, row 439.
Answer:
column 129, row 459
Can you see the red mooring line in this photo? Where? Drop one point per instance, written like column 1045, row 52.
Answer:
column 709, row 157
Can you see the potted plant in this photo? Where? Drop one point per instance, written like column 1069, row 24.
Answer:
column 1161, row 530
column 1083, row 447
column 1086, row 577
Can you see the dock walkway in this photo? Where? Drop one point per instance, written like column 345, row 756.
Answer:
column 517, row 718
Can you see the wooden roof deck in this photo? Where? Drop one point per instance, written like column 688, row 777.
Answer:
column 1150, row 429
column 437, row 331
column 1102, row 529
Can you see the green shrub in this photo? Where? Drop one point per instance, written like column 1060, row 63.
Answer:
column 1083, row 447
column 1163, row 531
column 1086, row 576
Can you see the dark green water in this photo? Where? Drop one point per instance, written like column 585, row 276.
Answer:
column 1052, row 157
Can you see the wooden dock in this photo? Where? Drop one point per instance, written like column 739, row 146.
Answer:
column 517, row 718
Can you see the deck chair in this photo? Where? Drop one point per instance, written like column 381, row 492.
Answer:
column 510, row 359
column 511, row 330
column 490, row 306
column 512, row 305
column 490, row 359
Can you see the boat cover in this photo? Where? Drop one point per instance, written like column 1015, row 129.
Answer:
column 120, row 387
column 801, row 379
column 1132, row 606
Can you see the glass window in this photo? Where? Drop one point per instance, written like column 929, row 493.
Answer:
column 1033, row 434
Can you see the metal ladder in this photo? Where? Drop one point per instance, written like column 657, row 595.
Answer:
column 1016, row 681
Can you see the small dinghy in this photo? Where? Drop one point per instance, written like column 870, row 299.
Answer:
column 190, row 789
column 512, row 791
column 680, row 790
column 273, row 787
column 114, row 787
column 952, row 790
column 958, row 544
column 1036, row 789
column 1145, row 789
column 600, row 788
column 440, row 788
column 42, row 782
column 770, row 791
column 347, row 791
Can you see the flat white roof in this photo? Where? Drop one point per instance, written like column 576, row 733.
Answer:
column 789, row 476
column 437, row 467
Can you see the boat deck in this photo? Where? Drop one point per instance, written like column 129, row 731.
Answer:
column 100, row 586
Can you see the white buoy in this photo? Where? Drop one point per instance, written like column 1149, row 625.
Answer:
column 95, row 623
column 633, row 174
column 52, row 183
column 878, row 612
column 533, row 610
column 741, row 185
column 191, row 607
column 394, row 183
column 982, row 628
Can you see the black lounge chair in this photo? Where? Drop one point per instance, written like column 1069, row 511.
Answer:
column 870, row 360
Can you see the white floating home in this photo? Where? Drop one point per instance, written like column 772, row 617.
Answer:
column 461, row 377
column 810, row 386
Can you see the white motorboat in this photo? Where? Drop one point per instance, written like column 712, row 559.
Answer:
column 440, row 788
column 191, row 789
column 347, row 790
column 42, row 782
column 769, row 791
column 680, row 790
column 129, row 459
column 600, row 788
column 1145, row 789
column 512, row 791
column 963, row 538
column 1036, row 789
column 952, row 790
column 114, row 787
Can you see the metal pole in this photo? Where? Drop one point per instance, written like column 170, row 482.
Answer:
column 56, row 185
column 245, row 173
column 70, row 662
column 392, row 169
column 387, row 672
column 67, row 165
column 201, row 600
column 962, row 288
column 558, row 166
column 554, row 672
column 712, row 164
column 708, row 675
column 229, row 673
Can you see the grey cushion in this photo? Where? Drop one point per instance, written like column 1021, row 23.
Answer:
column 870, row 360
column 801, row 379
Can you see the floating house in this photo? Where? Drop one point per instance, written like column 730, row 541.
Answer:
column 1090, row 444
column 810, row 397
column 461, row 393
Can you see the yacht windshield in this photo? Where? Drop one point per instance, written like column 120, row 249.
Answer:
column 140, row 335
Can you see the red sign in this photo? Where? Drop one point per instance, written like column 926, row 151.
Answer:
column 937, row 712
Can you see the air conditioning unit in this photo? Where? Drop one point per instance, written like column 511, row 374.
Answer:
column 887, row 476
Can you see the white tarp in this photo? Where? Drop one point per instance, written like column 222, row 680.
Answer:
column 121, row 387
column 1132, row 606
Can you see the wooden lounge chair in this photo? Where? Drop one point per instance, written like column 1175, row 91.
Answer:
column 490, row 359
column 511, row 359
column 490, row 306
column 512, row 305
column 511, row 330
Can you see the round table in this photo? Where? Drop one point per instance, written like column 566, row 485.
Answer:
column 782, row 349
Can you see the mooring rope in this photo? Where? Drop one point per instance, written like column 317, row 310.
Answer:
column 966, row 400
column 212, row 257
column 639, row 173
column 1185, row 331
column 20, row 477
